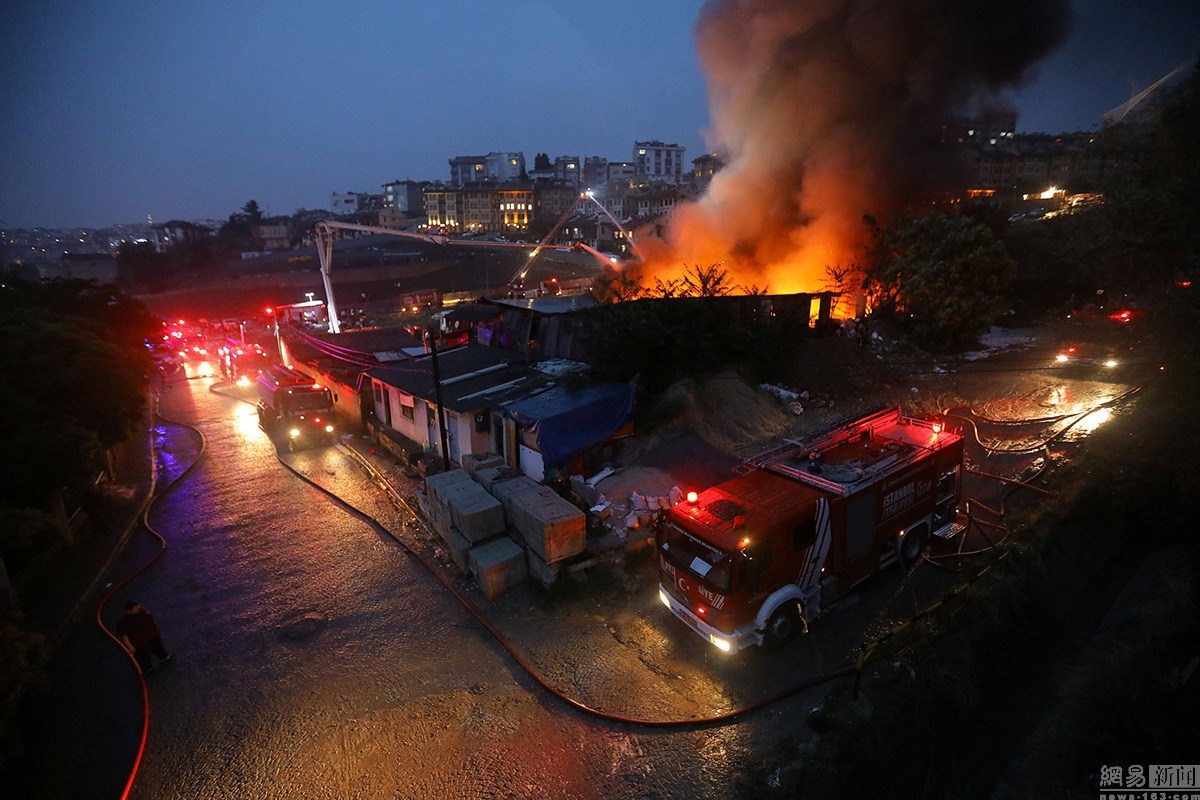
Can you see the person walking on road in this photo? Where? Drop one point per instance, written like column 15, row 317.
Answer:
column 139, row 635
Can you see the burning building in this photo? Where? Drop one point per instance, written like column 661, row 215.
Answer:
column 827, row 110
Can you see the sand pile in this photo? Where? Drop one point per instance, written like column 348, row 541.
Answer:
column 727, row 413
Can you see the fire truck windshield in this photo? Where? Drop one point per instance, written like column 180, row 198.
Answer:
column 311, row 400
column 705, row 562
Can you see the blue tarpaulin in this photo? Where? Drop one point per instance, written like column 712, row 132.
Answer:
column 565, row 421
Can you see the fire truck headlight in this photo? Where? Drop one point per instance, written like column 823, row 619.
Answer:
column 1110, row 363
column 662, row 595
column 294, row 433
column 243, row 381
column 1061, row 358
column 721, row 642
column 329, row 429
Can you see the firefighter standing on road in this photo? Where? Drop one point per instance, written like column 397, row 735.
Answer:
column 139, row 635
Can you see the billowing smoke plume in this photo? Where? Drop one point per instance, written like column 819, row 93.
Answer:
column 825, row 110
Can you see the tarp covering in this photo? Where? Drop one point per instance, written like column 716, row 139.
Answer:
column 564, row 422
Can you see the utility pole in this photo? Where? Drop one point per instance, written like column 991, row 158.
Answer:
column 437, row 392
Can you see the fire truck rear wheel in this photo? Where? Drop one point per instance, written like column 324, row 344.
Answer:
column 782, row 627
column 910, row 546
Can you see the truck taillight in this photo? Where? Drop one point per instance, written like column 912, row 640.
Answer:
column 701, row 611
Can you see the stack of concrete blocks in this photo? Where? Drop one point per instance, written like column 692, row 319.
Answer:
column 552, row 528
column 464, row 515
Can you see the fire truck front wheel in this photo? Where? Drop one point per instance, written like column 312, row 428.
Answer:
column 782, row 627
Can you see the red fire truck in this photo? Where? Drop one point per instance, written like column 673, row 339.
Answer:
column 292, row 405
column 751, row 561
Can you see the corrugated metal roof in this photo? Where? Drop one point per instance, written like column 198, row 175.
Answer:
column 473, row 376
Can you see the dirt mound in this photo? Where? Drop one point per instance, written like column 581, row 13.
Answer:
column 726, row 412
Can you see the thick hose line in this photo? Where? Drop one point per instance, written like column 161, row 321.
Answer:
column 528, row 669
column 151, row 501
column 1079, row 417
column 1009, row 481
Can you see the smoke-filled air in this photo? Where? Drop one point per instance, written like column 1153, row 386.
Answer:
column 826, row 110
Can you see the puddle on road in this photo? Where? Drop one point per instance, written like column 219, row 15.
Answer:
column 302, row 625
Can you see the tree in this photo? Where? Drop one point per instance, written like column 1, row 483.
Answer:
column 940, row 276
column 74, row 356
column 1152, row 209
column 251, row 212
column 618, row 286
column 77, row 368
column 541, row 162
column 710, row 281
column 843, row 279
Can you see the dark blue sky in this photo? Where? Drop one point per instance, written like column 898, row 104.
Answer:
column 115, row 110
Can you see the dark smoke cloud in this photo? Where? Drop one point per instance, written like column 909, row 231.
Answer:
column 828, row 109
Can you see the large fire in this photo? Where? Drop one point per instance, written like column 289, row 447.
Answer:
column 827, row 110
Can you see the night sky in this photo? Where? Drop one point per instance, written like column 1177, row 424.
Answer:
column 116, row 110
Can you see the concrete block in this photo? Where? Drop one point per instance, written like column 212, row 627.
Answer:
column 480, row 517
column 474, row 462
column 441, row 483
column 540, row 571
column 473, row 511
column 498, row 566
column 550, row 526
column 488, row 477
column 458, row 548
column 588, row 495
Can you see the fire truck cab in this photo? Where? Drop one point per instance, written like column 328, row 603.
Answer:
column 293, row 405
column 752, row 560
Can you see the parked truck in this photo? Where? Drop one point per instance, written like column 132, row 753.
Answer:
column 751, row 560
column 293, row 408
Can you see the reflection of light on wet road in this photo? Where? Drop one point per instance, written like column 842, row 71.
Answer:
column 245, row 421
column 1093, row 420
column 199, row 369
column 1058, row 395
